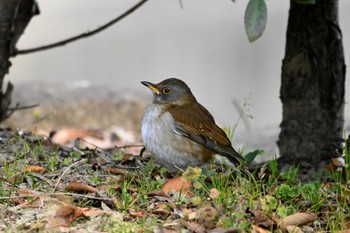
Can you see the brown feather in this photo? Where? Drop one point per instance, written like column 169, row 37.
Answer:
column 195, row 122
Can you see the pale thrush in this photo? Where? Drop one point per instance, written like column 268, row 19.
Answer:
column 179, row 132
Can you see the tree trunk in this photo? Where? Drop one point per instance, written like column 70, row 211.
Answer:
column 14, row 18
column 313, row 82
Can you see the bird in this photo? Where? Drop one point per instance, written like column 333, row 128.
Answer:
column 179, row 132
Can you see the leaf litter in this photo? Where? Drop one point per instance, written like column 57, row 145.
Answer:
column 75, row 185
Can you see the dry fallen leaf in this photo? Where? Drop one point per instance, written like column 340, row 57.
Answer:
column 94, row 212
column 194, row 227
column 65, row 215
column 33, row 168
column 293, row 229
column 222, row 230
column 158, row 193
column 139, row 213
column 205, row 215
column 298, row 219
column 161, row 229
column 177, row 184
column 257, row 229
column 15, row 178
column 66, row 135
column 164, row 209
column 214, row 193
column 27, row 192
column 261, row 219
column 63, row 198
column 36, row 201
column 78, row 187
column 190, row 214
column 128, row 156
column 343, row 231
column 113, row 171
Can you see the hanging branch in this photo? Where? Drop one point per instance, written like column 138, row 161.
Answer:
column 78, row 37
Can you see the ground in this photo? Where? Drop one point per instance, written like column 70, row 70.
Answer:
column 102, row 182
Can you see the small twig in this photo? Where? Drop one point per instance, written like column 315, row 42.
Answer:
column 242, row 116
column 142, row 151
column 77, row 150
column 68, row 194
column 85, row 196
column 68, row 168
column 127, row 146
column 77, row 143
column 17, row 107
column 48, row 181
column 84, row 35
column 126, row 167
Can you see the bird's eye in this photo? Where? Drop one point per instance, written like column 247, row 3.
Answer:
column 166, row 91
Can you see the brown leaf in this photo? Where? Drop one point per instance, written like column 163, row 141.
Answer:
column 27, row 192
column 128, row 156
column 63, row 198
column 194, row 227
column 94, row 212
column 116, row 203
column 207, row 214
column 261, row 219
column 257, row 229
column 35, row 202
column 65, row 215
column 190, row 214
column 298, row 219
column 113, row 171
column 177, row 184
column 293, row 229
column 78, row 187
column 139, row 213
column 343, row 231
column 214, row 193
column 33, row 168
column 66, row 135
column 164, row 209
column 15, row 178
column 161, row 229
column 158, row 193
column 222, row 230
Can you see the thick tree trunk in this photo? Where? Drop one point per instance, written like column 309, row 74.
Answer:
column 313, row 82
column 14, row 17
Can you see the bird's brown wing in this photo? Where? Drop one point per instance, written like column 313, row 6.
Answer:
column 202, row 129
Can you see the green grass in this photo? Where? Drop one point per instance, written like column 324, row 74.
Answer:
column 222, row 197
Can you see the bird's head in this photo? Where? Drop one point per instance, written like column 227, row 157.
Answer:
column 170, row 91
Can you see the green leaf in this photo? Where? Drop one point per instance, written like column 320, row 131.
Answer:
column 249, row 157
column 305, row 1
column 255, row 18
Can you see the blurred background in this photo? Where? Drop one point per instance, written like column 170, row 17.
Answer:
column 202, row 43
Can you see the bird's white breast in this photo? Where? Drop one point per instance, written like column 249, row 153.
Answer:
column 156, row 127
column 160, row 139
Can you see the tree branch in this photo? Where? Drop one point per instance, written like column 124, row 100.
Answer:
column 81, row 36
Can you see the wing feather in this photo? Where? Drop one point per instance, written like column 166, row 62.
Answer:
column 203, row 130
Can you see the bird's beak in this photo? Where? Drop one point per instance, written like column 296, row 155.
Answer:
column 151, row 86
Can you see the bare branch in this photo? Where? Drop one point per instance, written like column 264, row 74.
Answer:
column 17, row 107
column 84, row 35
